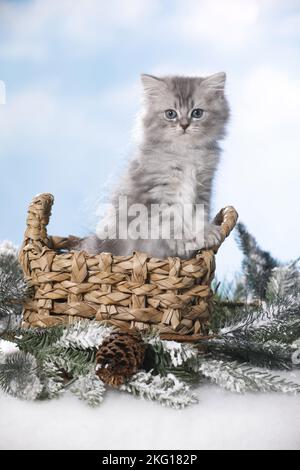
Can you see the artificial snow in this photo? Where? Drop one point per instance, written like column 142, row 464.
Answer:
column 221, row 420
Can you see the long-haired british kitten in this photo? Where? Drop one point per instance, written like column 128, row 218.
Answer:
column 183, row 120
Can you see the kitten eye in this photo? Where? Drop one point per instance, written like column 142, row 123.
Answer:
column 171, row 114
column 197, row 113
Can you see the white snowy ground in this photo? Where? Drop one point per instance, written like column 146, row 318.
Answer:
column 221, row 420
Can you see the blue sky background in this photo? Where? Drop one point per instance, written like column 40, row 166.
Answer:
column 71, row 70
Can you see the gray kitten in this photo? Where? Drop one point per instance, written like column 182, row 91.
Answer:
column 183, row 120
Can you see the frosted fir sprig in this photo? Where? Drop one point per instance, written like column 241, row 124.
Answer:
column 179, row 353
column 53, row 383
column 29, row 391
column 241, row 378
column 89, row 388
column 7, row 248
column 284, row 282
column 84, row 334
column 2, row 356
column 52, row 388
column 281, row 307
column 18, row 376
column 168, row 390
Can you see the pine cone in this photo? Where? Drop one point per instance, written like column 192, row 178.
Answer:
column 119, row 357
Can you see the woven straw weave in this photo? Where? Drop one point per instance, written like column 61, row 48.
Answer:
column 171, row 295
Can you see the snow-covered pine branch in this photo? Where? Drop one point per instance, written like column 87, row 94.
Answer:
column 168, row 391
column 241, row 378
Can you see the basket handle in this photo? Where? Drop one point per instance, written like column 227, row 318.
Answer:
column 39, row 213
column 227, row 219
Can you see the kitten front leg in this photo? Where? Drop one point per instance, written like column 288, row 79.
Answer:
column 212, row 235
column 209, row 238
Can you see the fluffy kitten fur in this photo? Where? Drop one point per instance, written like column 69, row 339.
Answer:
column 173, row 163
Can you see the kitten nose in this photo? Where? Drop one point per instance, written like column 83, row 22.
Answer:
column 184, row 125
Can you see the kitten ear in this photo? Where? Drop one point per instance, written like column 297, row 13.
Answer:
column 152, row 85
column 216, row 81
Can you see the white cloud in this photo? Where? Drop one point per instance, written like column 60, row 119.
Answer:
column 18, row 50
column 89, row 19
column 29, row 112
column 288, row 17
column 83, row 26
column 39, row 118
column 224, row 24
column 269, row 101
column 124, row 97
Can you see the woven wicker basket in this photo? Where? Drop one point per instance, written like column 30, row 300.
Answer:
column 172, row 296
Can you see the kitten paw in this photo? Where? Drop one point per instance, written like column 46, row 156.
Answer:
column 213, row 236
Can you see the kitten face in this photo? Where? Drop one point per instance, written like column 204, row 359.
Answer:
column 190, row 109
